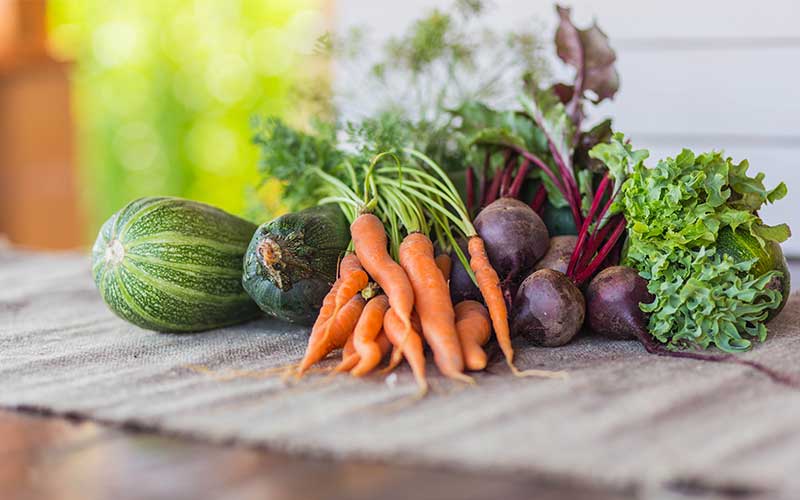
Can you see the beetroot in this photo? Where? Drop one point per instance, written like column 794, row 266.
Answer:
column 548, row 309
column 559, row 253
column 461, row 286
column 612, row 303
column 613, row 299
column 515, row 237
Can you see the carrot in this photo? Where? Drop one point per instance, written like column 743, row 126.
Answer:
column 410, row 343
column 474, row 329
column 433, row 304
column 444, row 264
column 341, row 327
column 349, row 355
column 370, row 241
column 489, row 285
column 366, row 333
column 352, row 279
column 397, row 352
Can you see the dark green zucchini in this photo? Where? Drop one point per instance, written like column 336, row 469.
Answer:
column 291, row 262
column 173, row 265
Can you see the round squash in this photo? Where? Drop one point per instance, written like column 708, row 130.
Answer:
column 741, row 245
column 173, row 265
column 291, row 262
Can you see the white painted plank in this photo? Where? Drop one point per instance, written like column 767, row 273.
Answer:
column 642, row 19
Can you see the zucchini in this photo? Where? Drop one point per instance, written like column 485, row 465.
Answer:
column 291, row 262
column 173, row 265
column 741, row 245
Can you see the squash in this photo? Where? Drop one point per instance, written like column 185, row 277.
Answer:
column 741, row 245
column 173, row 265
column 291, row 262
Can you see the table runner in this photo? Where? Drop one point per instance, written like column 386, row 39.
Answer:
column 623, row 418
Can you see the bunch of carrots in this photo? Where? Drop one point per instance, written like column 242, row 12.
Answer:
column 392, row 291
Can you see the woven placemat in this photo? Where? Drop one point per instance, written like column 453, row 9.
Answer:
column 622, row 418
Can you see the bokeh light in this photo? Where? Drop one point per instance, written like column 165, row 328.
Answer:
column 164, row 93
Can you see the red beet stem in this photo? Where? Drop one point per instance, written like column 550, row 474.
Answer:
column 539, row 199
column 513, row 192
column 653, row 347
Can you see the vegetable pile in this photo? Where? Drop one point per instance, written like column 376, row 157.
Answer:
column 434, row 227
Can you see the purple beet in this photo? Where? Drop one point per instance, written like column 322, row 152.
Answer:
column 612, row 303
column 558, row 253
column 461, row 286
column 613, row 299
column 514, row 235
column 548, row 309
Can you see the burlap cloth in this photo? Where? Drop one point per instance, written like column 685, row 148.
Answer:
column 622, row 418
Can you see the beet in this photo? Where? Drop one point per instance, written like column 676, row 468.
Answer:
column 559, row 253
column 515, row 237
column 612, row 303
column 461, row 286
column 613, row 299
column 548, row 309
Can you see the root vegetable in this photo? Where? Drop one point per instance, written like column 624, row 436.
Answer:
column 548, row 309
column 433, row 304
column 626, row 316
column 514, row 236
column 612, row 303
column 474, row 329
column 558, row 254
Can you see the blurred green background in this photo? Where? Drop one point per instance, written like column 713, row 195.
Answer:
column 164, row 91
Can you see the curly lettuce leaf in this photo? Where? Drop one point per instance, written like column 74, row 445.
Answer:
column 675, row 213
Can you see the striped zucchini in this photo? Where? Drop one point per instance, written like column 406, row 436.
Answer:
column 173, row 265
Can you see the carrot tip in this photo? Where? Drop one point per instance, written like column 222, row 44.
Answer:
column 562, row 375
column 461, row 377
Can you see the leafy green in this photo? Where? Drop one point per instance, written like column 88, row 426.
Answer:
column 674, row 214
column 290, row 156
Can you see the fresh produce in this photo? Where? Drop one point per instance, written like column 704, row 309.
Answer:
column 455, row 218
column 329, row 327
column 173, row 265
column 548, row 309
column 558, row 254
column 474, row 329
column 409, row 343
column 334, row 334
column 366, row 333
column 707, row 292
column 445, row 265
column 462, row 287
column 432, row 303
column 515, row 237
column 291, row 262
column 615, row 300
column 612, row 303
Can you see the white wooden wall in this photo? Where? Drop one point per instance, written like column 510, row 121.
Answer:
column 703, row 74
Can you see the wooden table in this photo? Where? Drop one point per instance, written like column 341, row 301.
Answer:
column 52, row 458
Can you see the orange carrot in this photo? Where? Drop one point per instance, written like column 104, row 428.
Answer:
column 349, row 355
column 444, row 264
column 341, row 327
column 489, row 285
column 352, row 279
column 370, row 242
column 474, row 329
column 411, row 345
column 366, row 333
column 433, row 304
column 397, row 352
